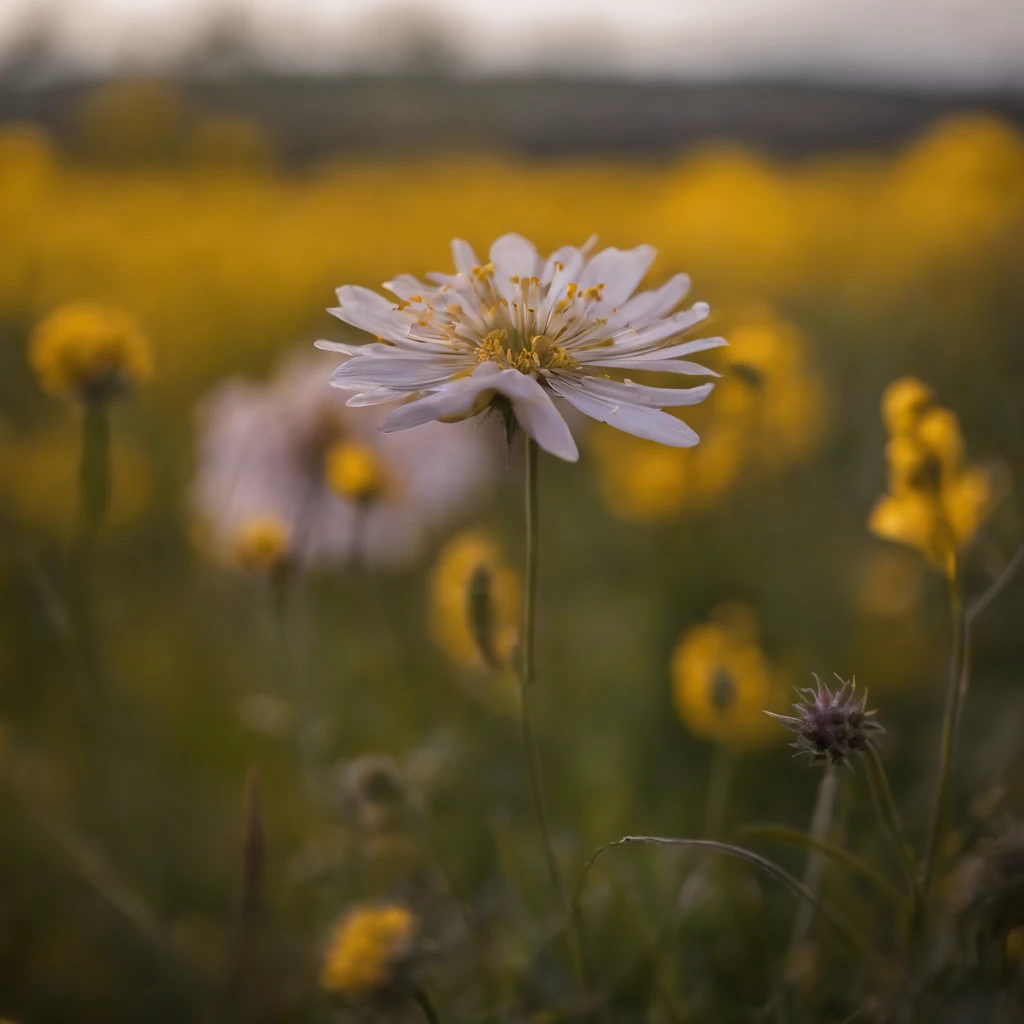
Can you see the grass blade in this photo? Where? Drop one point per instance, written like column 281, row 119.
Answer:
column 796, row 837
column 770, row 868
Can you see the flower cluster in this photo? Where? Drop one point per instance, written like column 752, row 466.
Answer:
column 936, row 499
column 722, row 680
column 832, row 725
column 370, row 949
column 90, row 352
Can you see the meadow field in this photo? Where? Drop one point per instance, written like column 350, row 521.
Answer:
column 261, row 665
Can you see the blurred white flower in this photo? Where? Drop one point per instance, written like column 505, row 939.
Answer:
column 517, row 331
column 288, row 452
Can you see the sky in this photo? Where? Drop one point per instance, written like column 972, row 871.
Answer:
column 962, row 43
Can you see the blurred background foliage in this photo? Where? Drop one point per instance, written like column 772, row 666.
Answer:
column 832, row 273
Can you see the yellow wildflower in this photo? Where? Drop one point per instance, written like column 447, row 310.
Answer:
column 261, row 544
column 722, row 682
column 354, row 471
column 368, row 949
column 768, row 413
column 936, row 501
column 903, row 401
column 462, row 559
column 90, row 352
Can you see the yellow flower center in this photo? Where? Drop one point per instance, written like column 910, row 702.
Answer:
column 526, row 356
column 262, row 544
column 90, row 352
column 354, row 471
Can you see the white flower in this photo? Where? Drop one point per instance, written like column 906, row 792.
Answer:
column 526, row 329
column 274, row 453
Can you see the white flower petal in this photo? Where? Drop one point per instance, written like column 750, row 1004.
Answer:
column 656, row 366
column 632, row 419
column 337, row 346
column 532, row 406
column 639, row 394
column 641, row 309
column 565, row 271
column 378, row 396
column 685, row 348
column 371, row 312
column 620, row 271
column 567, row 255
column 405, row 286
column 536, row 414
column 464, row 257
column 514, row 256
column 399, row 372
column 646, row 339
column 459, row 401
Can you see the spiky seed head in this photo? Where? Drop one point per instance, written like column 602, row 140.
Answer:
column 831, row 725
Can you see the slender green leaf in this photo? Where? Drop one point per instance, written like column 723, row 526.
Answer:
column 785, row 834
column 849, row 936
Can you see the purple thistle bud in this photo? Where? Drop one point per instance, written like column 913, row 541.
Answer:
column 831, row 725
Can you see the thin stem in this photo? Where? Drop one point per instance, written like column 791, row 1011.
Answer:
column 723, row 767
column 995, row 588
column 527, row 679
column 286, row 591
column 821, row 827
column 881, row 793
column 94, row 481
column 955, row 688
column 424, row 1003
column 94, row 471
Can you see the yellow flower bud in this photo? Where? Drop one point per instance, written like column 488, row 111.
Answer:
column 367, row 952
column 353, row 471
column 939, row 432
column 903, row 402
column 90, row 352
column 261, row 544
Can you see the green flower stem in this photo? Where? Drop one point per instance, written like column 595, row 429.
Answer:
column 723, row 768
column 94, row 481
column 821, row 827
column 424, row 1003
column 956, row 687
column 527, row 680
column 94, row 472
column 881, row 793
column 287, row 602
